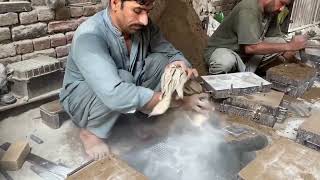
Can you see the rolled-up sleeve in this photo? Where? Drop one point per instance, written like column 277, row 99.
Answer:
column 93, row 59
column 158, row 44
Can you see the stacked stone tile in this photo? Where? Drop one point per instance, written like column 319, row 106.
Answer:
column 29, row 29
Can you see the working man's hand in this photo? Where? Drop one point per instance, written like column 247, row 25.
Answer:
column 197, row 102
column 298, row 42
column 190, row 71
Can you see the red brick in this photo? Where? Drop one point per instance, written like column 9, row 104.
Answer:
column 63, row 13
column 5, row 34
column 28, row 17
column 8, row 19
column 89, row 10
column 41, row 43
column 69, row 36
column 7, row 50
column 58, row 40
column 76, row 11
column 62, row 51
column 47, row 52
column 24, row 47
column 62, row 26
column 45, row 14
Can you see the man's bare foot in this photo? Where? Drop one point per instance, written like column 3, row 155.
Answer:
column 94, row 146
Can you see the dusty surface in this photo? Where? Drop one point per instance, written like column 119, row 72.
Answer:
column 312, row 124
column 112, row 168
column 293, row 71
column 283, row 160
column 312, row 95
column 182, row 27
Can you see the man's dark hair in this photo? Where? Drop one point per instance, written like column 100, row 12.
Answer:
column 141, row 2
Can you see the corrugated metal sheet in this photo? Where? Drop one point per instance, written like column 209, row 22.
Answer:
column 304, row 13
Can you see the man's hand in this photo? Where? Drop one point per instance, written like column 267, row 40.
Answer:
column 190, row 71
column 197, row 102
column 298, row 43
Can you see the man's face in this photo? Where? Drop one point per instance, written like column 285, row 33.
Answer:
column 276, row 6
column 131, row 16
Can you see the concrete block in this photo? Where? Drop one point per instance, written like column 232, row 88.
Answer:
column 29, row 31
column 28, row 17
column 5, row 34
column 9, row 60
column 62, row 51
column 89, row 10
column 309, row 131
column 8, row 19
column 7, row 50
column 38, row 2
column 69, row 36
column 62, row 26
column 14, row 157
column 63, row 13
column 41, row 43
column 18, row 6
column 58, row 40
column 47, row 52
column 53, row 114
column 292, row 79
column 45, row 14
column 35, row 77
column 76, row 11
column 24, row 46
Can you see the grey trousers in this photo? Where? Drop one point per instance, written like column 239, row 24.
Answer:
column 225, row 60
column 87, row 110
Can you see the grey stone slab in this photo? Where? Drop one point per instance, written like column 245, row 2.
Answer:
column 227, row 85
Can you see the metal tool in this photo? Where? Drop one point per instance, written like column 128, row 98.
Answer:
column 36, row 139
column 5, row 175
column 43, row 173
column 57, row 170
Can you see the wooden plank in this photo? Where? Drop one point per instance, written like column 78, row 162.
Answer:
column 14, row 157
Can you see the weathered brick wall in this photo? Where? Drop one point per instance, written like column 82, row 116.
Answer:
column 205, row 8
column 29, row 29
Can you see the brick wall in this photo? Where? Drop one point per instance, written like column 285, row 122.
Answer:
column 29, row 29
column 205, row 8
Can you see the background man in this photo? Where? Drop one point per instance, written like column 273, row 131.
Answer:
column 242, row 36
column 115, row 65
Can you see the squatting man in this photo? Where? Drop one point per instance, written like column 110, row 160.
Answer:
column 116, row 61
column 248, row 38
